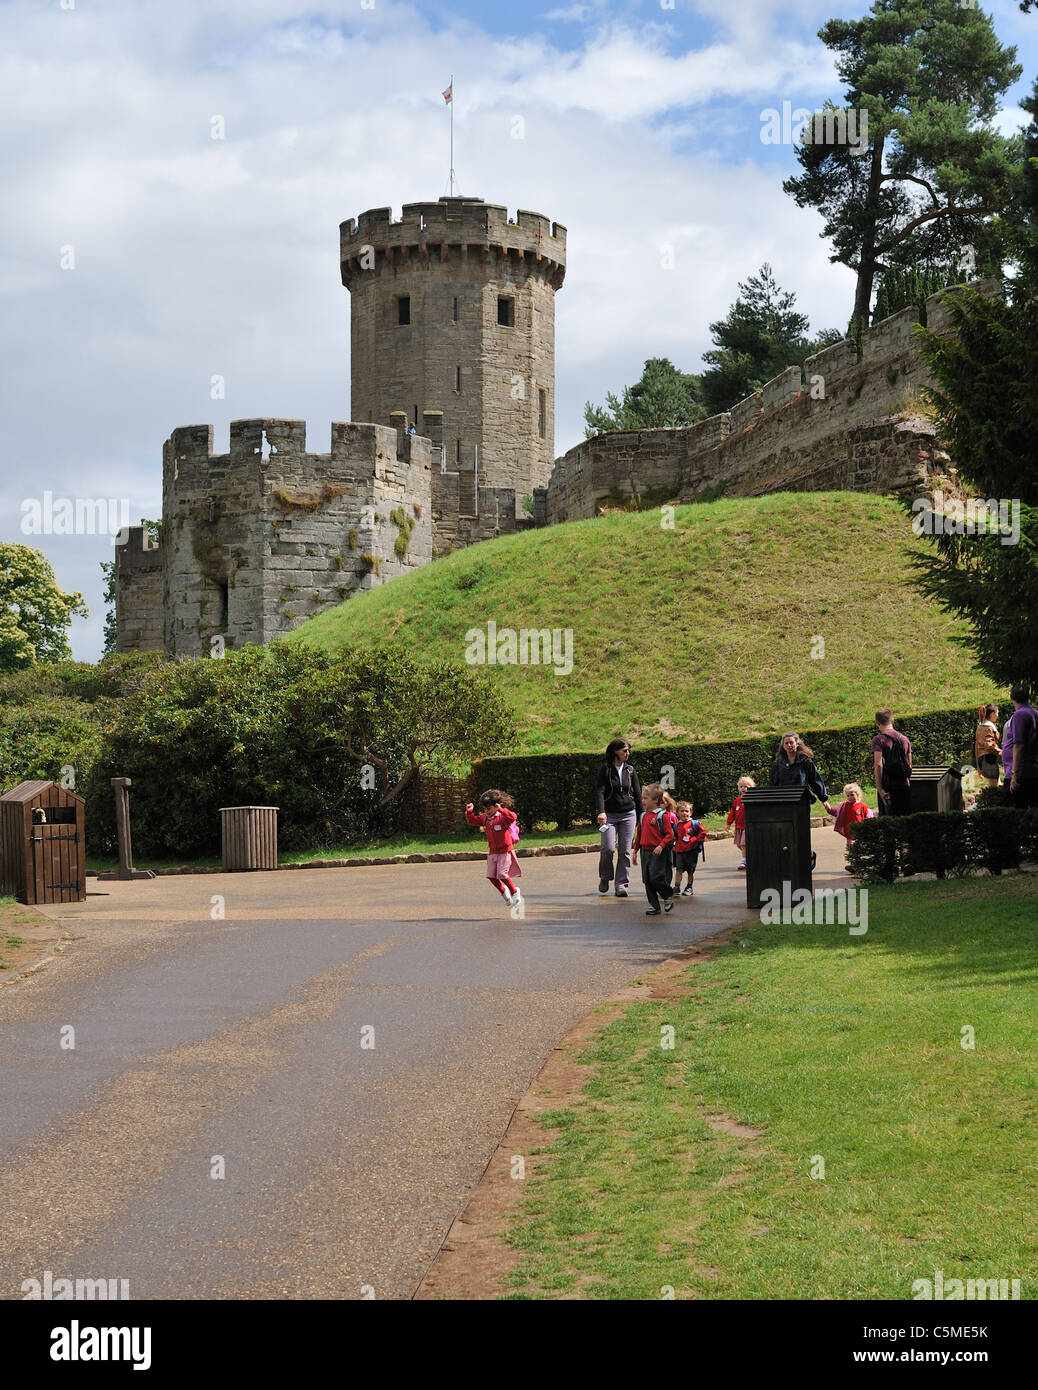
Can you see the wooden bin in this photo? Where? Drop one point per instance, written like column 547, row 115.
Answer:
column 42, row 853
column 249, row 836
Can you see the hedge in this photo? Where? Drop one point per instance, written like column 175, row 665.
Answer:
column 560, row 787
column 951, row 842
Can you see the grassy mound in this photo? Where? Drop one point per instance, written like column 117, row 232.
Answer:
column 749, row 616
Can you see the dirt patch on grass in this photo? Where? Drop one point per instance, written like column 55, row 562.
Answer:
column 25, row 936
column 474, row 1260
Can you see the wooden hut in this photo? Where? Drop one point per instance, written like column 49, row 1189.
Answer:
column 42, row 853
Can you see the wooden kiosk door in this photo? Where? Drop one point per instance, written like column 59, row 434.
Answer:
column 56, row 858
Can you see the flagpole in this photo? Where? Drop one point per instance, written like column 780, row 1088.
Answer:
column 452, row 134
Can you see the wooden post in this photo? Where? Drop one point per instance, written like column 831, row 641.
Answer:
column 121, row 786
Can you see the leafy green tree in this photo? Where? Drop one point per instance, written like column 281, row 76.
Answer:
column 664, row 398
column 288, row 726
column 34, row 612
column 761, row 335
column 930, row 171
column 987, row 412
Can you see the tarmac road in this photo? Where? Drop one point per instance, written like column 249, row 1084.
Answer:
column 243, row 1046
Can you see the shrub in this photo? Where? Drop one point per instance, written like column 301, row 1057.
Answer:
column 560, row 787
column 993, row 838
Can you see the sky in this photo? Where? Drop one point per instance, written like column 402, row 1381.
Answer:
column 141, row 257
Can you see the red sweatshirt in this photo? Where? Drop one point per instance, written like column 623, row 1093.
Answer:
column 737, row 814
column 688, row 834
column 849, row 816
column 495, row 823
column 649, row 835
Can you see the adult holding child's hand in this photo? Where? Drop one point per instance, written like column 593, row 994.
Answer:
column 618, row 799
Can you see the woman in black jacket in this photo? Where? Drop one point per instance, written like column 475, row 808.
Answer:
column 794, row 767
column 618, row 800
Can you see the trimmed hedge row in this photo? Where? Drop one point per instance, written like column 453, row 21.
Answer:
column 560, row 787
column 993, row 838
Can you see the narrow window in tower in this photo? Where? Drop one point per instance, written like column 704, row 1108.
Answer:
column 455, row 308
column 403, row 309
column 457, row 451
column 506, row 312
column 542, row 411
column 457, row 378
column 221, row 605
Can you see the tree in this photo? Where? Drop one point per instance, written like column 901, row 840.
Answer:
column 987, row 412
column 761, row 335
column 929, row 171
column 397, row 715
column 664, row 398
column 34, row 613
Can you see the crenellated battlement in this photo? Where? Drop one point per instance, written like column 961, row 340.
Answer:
column 275, row 447
column 451, row 226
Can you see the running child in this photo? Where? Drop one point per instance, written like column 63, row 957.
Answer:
column 689, row 839
column 655, row 835
column 738, row 815
column 499, row 821
column 851, row 813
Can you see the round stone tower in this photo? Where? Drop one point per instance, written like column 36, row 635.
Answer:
column 452, row 318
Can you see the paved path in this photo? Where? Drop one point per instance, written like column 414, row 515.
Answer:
column 199, row 1040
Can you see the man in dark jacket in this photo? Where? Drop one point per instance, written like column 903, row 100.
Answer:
column 618, row 799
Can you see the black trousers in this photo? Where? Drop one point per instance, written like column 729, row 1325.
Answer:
column 656, row 873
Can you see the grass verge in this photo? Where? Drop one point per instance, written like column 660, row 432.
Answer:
column 838, row 1050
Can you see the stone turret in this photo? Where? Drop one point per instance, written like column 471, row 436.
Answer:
column 452, row 312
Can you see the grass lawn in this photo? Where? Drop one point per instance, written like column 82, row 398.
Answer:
column 845, row 1049
column 738, row 591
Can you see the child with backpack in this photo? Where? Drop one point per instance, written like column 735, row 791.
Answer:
column 655, row 836
column 738, row 815
column 689, row 844
column 500, row 823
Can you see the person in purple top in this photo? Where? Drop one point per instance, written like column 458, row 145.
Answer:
column 1020, row 749
column 892, row 764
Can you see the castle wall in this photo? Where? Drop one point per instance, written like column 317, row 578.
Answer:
column 138, row 593
column 453, row 260
column 839, row 422
column 253, row 546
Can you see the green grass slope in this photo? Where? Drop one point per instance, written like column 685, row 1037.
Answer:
column 700, row 632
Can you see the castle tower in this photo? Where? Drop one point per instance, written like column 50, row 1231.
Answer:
column 452, row 316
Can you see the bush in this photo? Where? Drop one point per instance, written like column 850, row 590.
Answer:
column 328, row 738
column 560, row 787
column 993, row 838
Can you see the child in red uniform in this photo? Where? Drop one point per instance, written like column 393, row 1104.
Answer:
column 738, row 815
column 498, row 819
column 851, row 813
column 689, row 839
column 655, row 835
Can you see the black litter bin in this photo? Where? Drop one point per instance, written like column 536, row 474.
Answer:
column 778, row 841
column 936, row 789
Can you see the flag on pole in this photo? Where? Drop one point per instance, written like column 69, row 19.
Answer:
column 448, row 95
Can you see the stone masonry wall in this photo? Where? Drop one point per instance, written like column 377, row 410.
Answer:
column 138, row 593
column 482, row 390
column 254, row 545
column 810, row 428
